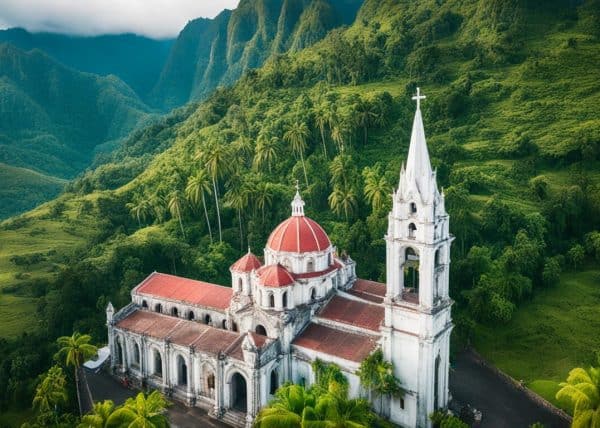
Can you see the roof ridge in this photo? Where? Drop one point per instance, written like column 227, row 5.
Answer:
column 233, row 344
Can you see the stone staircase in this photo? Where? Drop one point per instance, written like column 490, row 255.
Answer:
column 234, row 418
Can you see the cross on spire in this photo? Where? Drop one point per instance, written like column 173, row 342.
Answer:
column 297, row 186
column 297, row 203
column 418, row 98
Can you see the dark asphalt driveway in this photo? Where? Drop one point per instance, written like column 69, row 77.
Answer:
column 502, row 406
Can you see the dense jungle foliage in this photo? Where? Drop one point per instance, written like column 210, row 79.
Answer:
column 512, row 126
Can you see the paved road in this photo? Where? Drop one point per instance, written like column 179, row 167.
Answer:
column 104, row 387
column 502, row 405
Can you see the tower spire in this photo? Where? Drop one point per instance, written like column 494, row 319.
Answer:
column 418, row 165
column 297, row 203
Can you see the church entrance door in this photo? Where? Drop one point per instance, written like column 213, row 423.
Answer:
column 239, row 393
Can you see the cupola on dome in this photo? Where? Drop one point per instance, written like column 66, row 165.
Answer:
column 275, row 276
column 298, row 234
column 247, row 263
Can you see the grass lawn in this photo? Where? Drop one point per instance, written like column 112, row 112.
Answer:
column 548, row 336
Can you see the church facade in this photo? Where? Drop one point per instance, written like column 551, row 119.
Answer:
column 227, row 349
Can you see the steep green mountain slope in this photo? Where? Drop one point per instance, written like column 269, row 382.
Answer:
column 512, row 125
column 53, row 118
column 213, row 52
column 136, row 60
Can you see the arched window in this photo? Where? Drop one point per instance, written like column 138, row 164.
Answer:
column 136, row 354
column 240, row 284
column 271, row 301
column 313, row 294
column 191, row 316
column 174, row 311
column 411, row 271
column 412, row 230
column 144, row 304
column 438, row 257
column 224, row 324
column 329, row 259
column 234, row 326
column 284, row 300
column 158, row 308
column 210, row 382
column 157, row 363
column 181, row 371
column 287, row 264
column 260, row 329
column 207, row 319
column 274, row 382
column 413, row 208
column 310, row 265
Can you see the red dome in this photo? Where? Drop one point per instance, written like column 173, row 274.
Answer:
column 246, row 264
column 275, row 276
column 299, row 234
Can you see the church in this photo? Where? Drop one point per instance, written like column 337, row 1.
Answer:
column 228, row 349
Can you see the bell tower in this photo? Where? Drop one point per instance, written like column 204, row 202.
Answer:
column 417, row 318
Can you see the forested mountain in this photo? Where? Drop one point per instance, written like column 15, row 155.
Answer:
column 511, row 118
column 53, row 119
column 136, row 60
column 213, row 52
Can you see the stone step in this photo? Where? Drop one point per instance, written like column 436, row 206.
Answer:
column 234, row 418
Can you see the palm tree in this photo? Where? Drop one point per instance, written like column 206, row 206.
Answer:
column 157, row 204
column 216, row 158
column 343, row 200
column 237, row 197
column 296, row 135
column 366, row 114
column 582, row 390
column 320, row 113
column 99, row 416
column 339, row 168
column 146, row 411
column 376, row 188
column 263, row 197
column 176, row 207
column 52, row 391
column 377, row 375
column 74, row 350
column 139, row 210
column 291, row 407
column 267, row 151
column 196, row 187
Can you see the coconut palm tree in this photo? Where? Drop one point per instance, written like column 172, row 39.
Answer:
column 297, row 134
column 157, row 204
column 74, row 350
column 343, row 200
column 376, row 187
column 51, row 391
column 339, row 168
column 99, row 416
column 175, row 204
column 267, row 151
column 237, row 197
column 291, row 407
column 582, row 390
column 139, row 210
column 216, row 158
column 198, row 185
column 320, row 113
column 263, row 197
column 366, row 115
column 146, row 411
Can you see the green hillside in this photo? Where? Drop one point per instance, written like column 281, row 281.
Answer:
column 53, row 119
column 136, row 60
column 512, row 126
column 213, row 52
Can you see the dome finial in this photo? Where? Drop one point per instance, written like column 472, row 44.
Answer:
column 298, row 203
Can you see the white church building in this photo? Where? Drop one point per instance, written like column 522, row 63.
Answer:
column 227, row 349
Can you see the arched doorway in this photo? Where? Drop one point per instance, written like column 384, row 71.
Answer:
column 260, row 329
column 274, row 382
column 181, row 371
column 239, row 393
column 120, row 354
column 207, row 319
column 136, row 355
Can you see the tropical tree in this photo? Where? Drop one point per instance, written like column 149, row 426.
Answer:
column 377, row 188
column 216, row 159
column 582, row 390
column 292, row 406
column 296, row 135
column 341, row 169
column 74, row 350
column 267, row 151
column 99, row 416
column 175, row 205
column 377, row 375
column 51, row 391
column 140, row 210
column 157, row 205
column 263, row 197
column 197, row 186
column 365, row 114
column 320, row 112
column 343, row 200
column 237, row 197
column 147, row 411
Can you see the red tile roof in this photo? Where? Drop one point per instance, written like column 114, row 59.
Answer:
column 331, row 268
column 368, row 290
column 327, row 340
column 275, row 276
column 247, row 263
column 298, row 234
column 186, row 290
column 355, row 313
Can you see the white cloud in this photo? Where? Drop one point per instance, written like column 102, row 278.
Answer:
column 153, row 18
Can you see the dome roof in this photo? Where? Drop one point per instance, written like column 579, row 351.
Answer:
column 298, row 234
column 247, row 263
column 275, row 276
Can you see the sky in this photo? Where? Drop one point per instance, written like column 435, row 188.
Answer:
column 152, row 18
